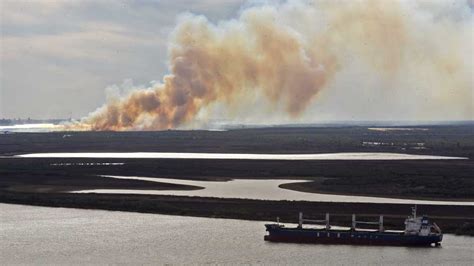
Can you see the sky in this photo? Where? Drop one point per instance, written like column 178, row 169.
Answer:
column 62, row 59
column 58, row 57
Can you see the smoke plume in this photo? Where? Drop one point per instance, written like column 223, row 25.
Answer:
column 286, row 54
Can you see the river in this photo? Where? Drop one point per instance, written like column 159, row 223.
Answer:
column 260, row 189
column 45, row 235
column 243, row 156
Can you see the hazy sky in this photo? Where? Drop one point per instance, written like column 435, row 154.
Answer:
column 59, row 57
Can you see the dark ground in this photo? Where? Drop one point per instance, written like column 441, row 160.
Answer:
column 438, row 140
column 427, row 179
column 25, row 181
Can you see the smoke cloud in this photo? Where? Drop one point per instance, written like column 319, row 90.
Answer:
column 286, row 54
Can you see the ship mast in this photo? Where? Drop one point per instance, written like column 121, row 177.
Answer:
column 413, row 212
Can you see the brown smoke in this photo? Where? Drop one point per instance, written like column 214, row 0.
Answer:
column 286, row 53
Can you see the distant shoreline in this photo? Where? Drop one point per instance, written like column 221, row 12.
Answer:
column 447, row 217
column 301, row 187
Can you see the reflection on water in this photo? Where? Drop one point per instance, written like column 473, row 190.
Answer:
column 85, row 164
column 45, row 127
column 43, row 235
column 398, row 129
column 255, row 189
column 243, row 156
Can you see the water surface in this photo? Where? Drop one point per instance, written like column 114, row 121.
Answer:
column 262, row 189
column 44, row 235
column 44, row 127
column 243, row 156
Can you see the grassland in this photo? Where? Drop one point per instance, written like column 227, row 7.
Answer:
column 438, row 140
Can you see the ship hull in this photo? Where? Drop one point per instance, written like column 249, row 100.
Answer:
column 348, row 237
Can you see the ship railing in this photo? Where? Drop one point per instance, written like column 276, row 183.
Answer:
column 314, row 221
column 361, row 222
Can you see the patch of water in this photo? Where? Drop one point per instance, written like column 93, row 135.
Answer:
column 86, row 164
column 45, row 236
column 45, row 127
column 243, row 156
column 397, row 129
column 255, row 189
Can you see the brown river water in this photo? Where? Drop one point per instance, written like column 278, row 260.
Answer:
column 45, row 235
column 261, row 189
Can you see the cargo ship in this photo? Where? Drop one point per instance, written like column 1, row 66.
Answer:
column 419, row 231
